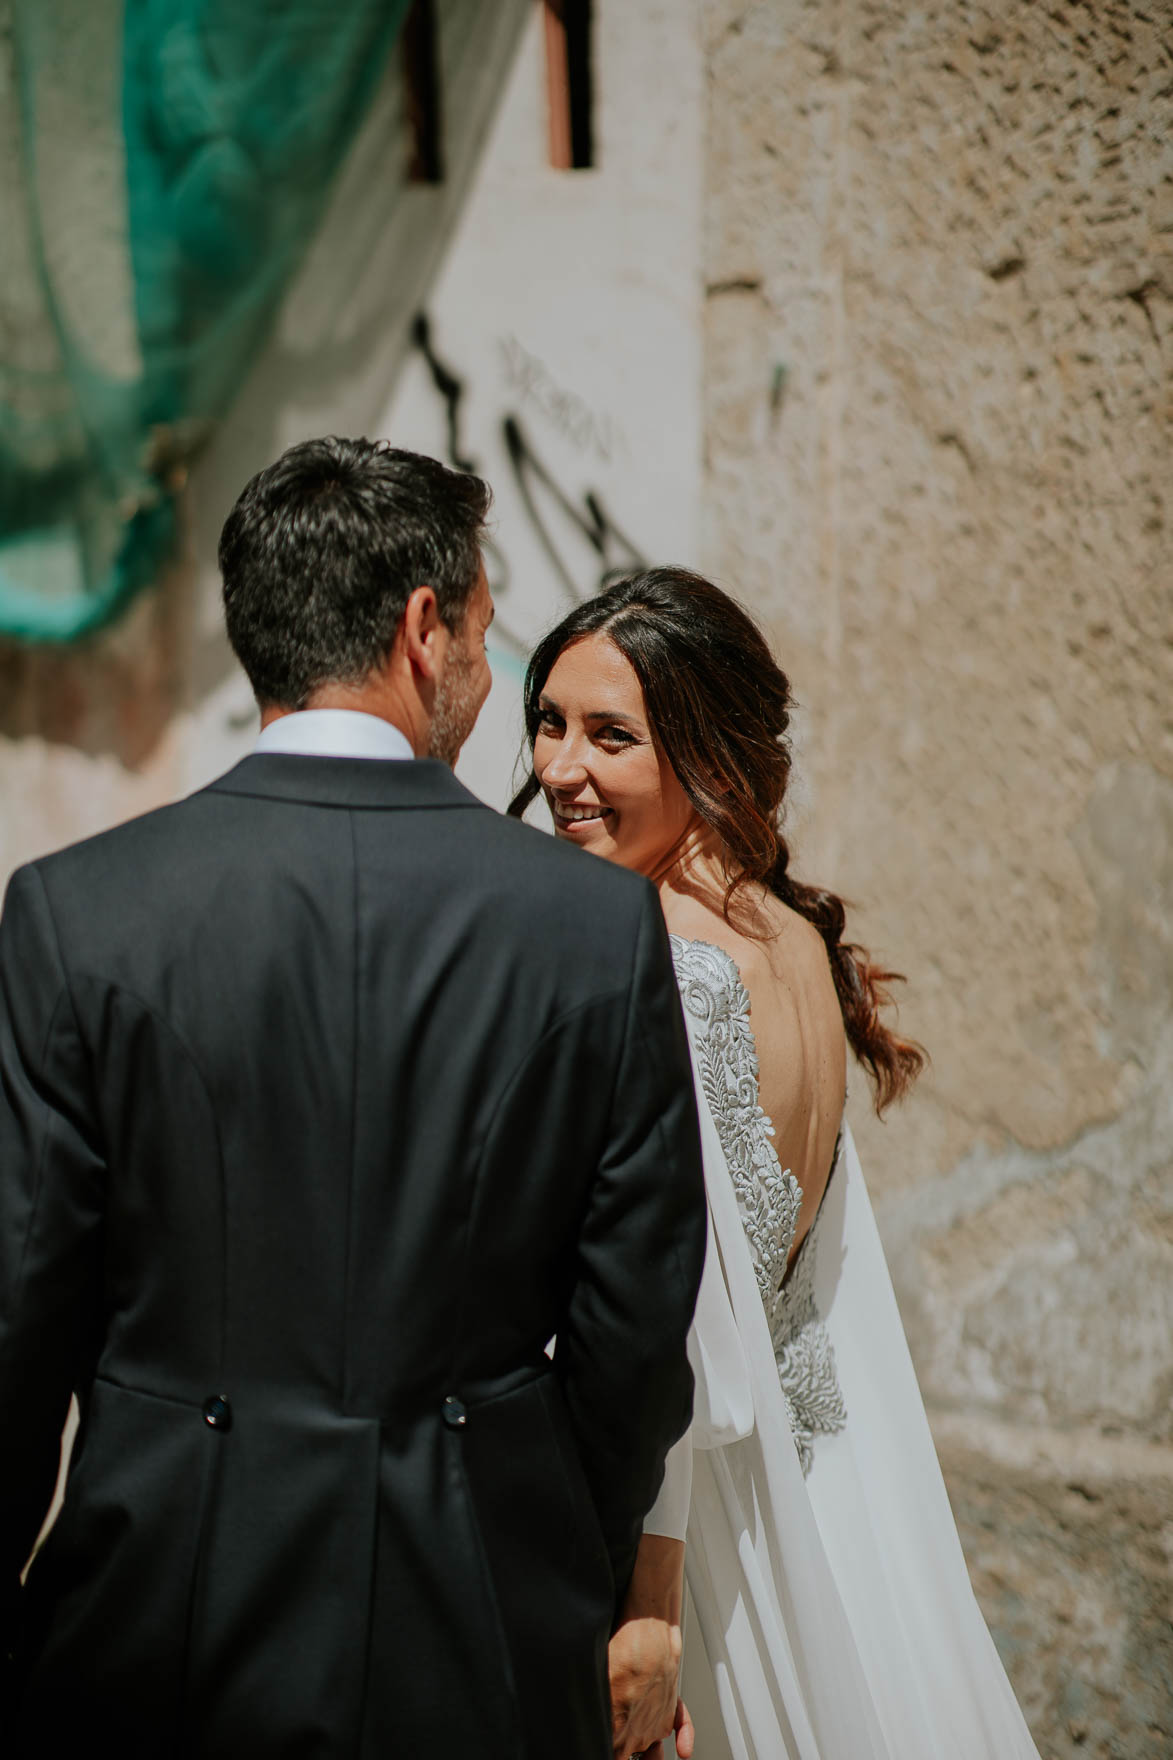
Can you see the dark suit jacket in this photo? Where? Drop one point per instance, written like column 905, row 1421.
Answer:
column 327, row 1096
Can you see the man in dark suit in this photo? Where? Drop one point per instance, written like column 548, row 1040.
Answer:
column 327, row 1097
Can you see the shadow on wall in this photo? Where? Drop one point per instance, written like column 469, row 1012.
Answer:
column 329, row 367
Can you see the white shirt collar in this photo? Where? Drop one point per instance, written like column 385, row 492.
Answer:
column 334, row 733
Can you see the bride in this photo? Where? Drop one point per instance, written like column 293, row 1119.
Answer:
column 827, row 1610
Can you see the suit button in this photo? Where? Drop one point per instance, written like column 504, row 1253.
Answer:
column 454, row 1412
column 218, row 1412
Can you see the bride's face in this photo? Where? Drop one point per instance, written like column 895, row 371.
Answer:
column 608, row 784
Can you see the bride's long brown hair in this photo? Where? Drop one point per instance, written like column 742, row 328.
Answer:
column 719, row 706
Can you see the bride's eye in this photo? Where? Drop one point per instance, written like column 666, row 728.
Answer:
column 616, row 736
column 548, row 722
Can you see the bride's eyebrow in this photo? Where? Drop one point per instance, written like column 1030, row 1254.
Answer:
column 549, row 706
column 616, row 715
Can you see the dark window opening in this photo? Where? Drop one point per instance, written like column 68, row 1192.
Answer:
column 569, row 84
column 421, row 78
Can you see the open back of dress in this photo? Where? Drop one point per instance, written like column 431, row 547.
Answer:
column 829, row 1611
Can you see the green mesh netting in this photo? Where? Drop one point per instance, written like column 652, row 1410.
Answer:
column 163, row 166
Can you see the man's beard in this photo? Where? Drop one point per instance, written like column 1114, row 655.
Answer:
column 455, row 712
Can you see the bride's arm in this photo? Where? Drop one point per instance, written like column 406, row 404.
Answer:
column 669, row 1514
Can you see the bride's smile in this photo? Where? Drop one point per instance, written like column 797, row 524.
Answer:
column 567, row 815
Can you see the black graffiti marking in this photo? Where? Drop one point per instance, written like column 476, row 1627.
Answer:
column 451, row 389
column 614, row 548
column 589, row 517
column 573, row 417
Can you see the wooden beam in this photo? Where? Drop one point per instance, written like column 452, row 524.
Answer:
column 558, row 85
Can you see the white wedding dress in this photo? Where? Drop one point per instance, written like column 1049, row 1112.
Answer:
column 829, row 1614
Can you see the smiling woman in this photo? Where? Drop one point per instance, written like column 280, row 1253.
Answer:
column 828, row 1613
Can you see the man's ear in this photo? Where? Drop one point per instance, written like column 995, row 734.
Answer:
column 422, row 633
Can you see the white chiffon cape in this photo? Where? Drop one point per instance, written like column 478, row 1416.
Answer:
column 828, row 1617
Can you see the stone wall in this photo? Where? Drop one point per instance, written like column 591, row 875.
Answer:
column 939, row 264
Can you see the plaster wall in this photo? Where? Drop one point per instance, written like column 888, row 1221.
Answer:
column 939, row 267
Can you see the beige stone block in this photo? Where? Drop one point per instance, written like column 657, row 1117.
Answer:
column 1070, row 1561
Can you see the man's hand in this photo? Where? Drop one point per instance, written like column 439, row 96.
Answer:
column 684, row 1733
column 644, row 1663
column 644, row 1656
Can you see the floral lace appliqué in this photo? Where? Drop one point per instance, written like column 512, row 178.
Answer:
column 805, row 1355
column 768, row 1197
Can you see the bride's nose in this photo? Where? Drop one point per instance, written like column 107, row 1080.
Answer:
column 565, row 768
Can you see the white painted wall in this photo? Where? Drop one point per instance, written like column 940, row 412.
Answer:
column 571, row 301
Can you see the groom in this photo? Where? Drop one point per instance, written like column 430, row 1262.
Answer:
column 327, row 1097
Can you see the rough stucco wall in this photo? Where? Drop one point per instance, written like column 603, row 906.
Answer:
column 939, row 258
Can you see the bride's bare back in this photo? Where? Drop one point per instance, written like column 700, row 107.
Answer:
column 797, row 1025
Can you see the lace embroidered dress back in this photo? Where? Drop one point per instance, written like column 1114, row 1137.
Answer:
column 768, row 1197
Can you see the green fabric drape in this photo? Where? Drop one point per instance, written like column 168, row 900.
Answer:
column 163, row 167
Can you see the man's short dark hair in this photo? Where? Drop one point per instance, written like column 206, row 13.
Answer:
column 323, row 550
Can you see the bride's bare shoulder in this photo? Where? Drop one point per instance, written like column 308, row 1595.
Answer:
column 693, row 920
column 768, row 942
column 794, row 1010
